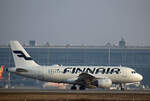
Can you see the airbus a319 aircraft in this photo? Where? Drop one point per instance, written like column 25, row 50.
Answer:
column 84, row 76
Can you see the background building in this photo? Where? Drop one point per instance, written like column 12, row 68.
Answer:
column 32, row 43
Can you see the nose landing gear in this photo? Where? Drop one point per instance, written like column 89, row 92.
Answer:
column 75, row 88
column 122, row 86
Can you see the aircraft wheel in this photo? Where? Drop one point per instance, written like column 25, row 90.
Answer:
column 82, row 87
column 73, row 87
column 122, row 89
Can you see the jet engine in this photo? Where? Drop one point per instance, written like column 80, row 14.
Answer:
column 103, row 83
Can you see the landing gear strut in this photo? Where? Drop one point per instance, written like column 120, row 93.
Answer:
column 74, row 87
column 122, row 86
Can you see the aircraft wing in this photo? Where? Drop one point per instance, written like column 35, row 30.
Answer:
column 86, row 80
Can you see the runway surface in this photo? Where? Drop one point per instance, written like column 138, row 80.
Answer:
column 72, row 91
column 68, row 95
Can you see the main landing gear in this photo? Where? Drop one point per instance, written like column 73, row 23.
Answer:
column 82, row 87
column 75, row 88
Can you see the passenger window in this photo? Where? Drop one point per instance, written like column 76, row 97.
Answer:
column 133, row 72
column 53, row 71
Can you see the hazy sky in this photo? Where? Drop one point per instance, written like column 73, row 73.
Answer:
column 88, row 22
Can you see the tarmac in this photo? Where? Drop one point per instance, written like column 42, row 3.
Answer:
column 69, row 95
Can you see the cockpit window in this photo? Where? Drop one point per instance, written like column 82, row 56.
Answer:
column 133, row 72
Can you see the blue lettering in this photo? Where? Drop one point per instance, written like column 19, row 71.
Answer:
column 92, row 71
column 108, row 71
column 115, row 70
column 101, row 70
column 88, row 70
column 79, row 70
column 67, row 70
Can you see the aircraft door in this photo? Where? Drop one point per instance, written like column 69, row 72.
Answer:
column 124, row 75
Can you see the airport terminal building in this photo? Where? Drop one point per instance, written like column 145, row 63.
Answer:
column 137, row 57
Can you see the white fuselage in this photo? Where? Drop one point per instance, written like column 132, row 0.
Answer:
column 68, row 74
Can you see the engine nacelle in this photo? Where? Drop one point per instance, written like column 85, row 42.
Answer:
column 103, row 83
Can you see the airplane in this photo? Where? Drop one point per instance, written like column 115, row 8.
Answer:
column 83, row 76
column 1, row 72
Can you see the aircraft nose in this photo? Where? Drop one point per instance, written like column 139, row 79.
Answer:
column 140, row 77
